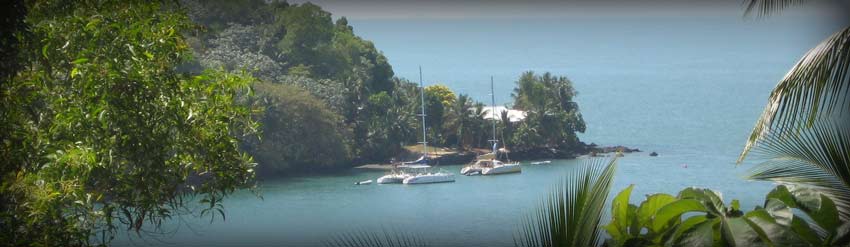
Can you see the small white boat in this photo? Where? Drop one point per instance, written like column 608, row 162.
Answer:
column 430, row 178
column 541, row 162
column 364, row 182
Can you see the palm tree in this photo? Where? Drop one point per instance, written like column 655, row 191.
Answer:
column 804, row 132
column 572, row 212
column 479, row 124
column 383, row 239
column 507, row 129
column 462, row 110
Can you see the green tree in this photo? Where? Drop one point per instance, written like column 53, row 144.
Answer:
column 553, row 117
column 434, row 118
column 299, row 44
column 506, row 129
column 108, row 132
column 439, row 101
column 300, row 133
column 218, row 15
column 308, row 30
column 462, row 111
column 480, row 126
column 442, row 93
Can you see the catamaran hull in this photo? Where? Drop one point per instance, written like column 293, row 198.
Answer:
column 429, row 179
column 470, row 170
column 502, row 169
column 392, row 179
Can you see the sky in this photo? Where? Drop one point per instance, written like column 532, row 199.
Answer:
column 480, row 9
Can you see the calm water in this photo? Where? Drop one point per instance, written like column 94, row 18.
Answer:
column 687, row 88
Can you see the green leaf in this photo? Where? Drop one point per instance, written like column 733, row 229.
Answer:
column 650, row 206
column 779, row 211
column 675, row 210
column 571, row 214
column 827, row 215
column 80, row 60
column 620, row 211
column 74, row 72
column 799, row 226
column 737, row 232
column 92, row 23
column 770, row 231
column 815, row 88
column 782, row 194
column 697, row 232
column 816, row 205
column 764, row 8
column 44, row 50
column 710, row 199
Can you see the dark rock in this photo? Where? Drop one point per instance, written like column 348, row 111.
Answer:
column 618, row 148
column 653, row 154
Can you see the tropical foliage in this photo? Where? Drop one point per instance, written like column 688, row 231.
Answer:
column 699, row 217
column 553, row 117
column 383, row 239
column 301, row 45
column 319, row 141
column 105, row 132
column 803, row 135
column 572, row 212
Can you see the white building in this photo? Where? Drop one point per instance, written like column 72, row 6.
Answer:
column 513, row 115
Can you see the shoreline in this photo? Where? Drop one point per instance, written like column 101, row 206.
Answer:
column 463, row 157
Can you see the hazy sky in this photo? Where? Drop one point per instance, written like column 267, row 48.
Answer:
column 466, row 9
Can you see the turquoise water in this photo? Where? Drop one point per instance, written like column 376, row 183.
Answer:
column 687, row 88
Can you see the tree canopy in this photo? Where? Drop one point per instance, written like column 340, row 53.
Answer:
column 553, row 117
column 107, row 131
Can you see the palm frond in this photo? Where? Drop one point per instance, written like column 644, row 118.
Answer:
column 769, row 7
column 816, row 157
column 571, row 213
column 376, row 239
column 816, row 86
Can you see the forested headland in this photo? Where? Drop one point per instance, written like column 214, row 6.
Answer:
column 332, row 101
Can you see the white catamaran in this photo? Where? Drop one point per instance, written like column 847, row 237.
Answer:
column 489, row 164
column 417, row 171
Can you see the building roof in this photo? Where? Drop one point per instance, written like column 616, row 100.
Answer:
column 513, row 115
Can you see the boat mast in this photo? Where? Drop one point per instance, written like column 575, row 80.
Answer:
column 422, row 96
column 493, row 112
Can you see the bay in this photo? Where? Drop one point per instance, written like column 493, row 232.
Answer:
column 687, row 88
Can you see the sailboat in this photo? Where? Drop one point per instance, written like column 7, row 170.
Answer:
column 417, row 171
column 489, row 164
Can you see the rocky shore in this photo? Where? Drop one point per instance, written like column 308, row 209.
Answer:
column 569, row 153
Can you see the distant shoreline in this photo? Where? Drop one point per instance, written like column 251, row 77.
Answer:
column 589, row 150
